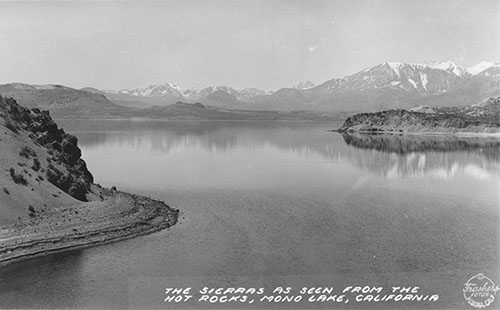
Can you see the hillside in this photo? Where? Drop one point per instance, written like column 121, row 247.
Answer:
column 483, row 117
column 198, row 111
column 48, row 201
column 61, row 101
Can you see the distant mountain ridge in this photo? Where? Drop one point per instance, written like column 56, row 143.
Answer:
column 90, row 103
column 388, row 85
column 172, row 92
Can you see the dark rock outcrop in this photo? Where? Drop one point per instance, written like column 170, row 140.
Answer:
column 63, row 148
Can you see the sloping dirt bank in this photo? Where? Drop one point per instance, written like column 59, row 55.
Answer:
column 114, row 216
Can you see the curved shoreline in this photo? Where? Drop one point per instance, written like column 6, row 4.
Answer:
column 119, row 217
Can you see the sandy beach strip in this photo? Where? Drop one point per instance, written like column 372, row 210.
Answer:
column 116, row 217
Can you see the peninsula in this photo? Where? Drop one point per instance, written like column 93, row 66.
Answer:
column 480, row 118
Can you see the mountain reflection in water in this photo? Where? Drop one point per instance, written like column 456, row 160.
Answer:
column 435, row 155
column 403, row 144
column 388, row 156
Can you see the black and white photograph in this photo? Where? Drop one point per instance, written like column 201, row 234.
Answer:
column 250, row 154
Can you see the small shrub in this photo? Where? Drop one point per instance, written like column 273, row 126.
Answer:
column 5, row 190
column 18, row 178
column 53, row 175
column 10, row 125
column 27, row 152
column 32, row 211
column 36, row 164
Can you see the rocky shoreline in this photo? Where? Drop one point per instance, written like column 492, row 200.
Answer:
column 118, row 217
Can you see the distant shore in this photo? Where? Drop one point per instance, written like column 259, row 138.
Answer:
column 421, row 133
column 118, row 216
column 478, row 119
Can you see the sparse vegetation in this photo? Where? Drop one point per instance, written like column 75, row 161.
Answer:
column 36, row 164
column 451, row 118
column 26, row 152
column 68, row 172
column 32, row 211
column 17, row 178
column 10, row 125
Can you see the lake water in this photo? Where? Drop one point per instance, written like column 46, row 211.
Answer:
column 279, row 204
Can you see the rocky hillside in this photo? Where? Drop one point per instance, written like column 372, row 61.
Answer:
column 41, row 164
column 483, row 117
column 48, row 201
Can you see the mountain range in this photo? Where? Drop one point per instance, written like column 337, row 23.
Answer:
column 385, row 86
column 388, row 85
column 69, row 103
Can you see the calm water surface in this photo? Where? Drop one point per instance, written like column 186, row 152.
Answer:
column 266, row 204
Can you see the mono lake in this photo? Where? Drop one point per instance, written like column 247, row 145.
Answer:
column 278, row 204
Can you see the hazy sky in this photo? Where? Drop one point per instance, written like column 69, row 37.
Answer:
column 241, row 43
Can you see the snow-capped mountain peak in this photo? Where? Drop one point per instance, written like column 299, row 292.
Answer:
column 395, row 66
column 476, row 69
column 304, row 85
column 424, row 78
column 156, row 90
column 448, row 66
column 173, row 92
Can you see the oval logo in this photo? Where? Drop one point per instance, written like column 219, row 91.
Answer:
column 480, row 291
